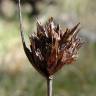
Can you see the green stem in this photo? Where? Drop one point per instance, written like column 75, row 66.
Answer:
column 49, row 85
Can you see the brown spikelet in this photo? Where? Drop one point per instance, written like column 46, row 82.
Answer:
column 52, row 47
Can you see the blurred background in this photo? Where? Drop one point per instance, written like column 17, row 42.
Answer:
column 18, row 77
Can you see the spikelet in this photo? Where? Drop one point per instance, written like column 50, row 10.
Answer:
column 52, row 47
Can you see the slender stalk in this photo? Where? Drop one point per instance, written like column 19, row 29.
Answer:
column 49, row 85
column 21, row 21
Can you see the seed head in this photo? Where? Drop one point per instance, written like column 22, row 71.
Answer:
column 51, row 47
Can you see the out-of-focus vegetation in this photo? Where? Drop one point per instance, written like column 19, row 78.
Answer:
column 18, row 77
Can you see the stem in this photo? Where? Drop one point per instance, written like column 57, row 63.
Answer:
column 21, row 21
column 49, row 85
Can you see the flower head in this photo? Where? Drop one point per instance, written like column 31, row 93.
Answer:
column 51, row 47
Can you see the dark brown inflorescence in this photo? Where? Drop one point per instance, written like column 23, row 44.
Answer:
column 51, row 47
